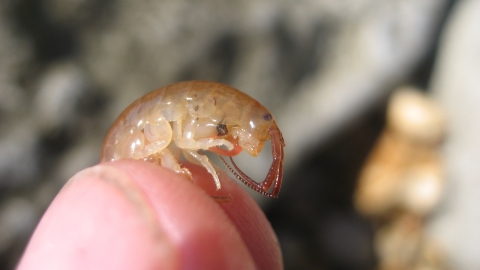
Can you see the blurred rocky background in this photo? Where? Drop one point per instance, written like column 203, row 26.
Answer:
column 325, row 68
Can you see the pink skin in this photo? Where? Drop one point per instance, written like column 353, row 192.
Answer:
column 135, row 215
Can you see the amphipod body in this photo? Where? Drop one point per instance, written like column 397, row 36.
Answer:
column 190, row 116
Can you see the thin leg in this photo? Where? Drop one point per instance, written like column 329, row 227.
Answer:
column 190, row 158
column 169, row 161
column 205, row 163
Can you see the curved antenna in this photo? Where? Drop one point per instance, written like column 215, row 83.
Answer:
column 275, row 173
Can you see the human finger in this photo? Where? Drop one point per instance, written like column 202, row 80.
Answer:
column 135, row 215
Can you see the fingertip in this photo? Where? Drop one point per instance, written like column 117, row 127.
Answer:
column 131, row 214
column 242, row 211
column 205, row 235
column 99, row 221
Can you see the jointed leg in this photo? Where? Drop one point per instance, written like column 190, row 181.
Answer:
column 169, row 161
column 205, row 163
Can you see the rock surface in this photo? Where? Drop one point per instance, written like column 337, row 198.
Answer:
column 455, row 83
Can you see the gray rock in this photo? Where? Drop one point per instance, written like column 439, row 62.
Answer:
column 456, row 85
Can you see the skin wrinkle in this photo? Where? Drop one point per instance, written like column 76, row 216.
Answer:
column 101, row 207
column 135, row 195
column 177, row 192
column 123, row 181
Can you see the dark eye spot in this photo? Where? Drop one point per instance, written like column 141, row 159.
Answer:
column 222, row 130
column 195, row 108
column 267, row 117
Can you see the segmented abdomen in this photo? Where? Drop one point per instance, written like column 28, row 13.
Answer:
column 216, row 102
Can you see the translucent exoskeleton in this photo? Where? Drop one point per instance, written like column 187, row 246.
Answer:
column 186, row 117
